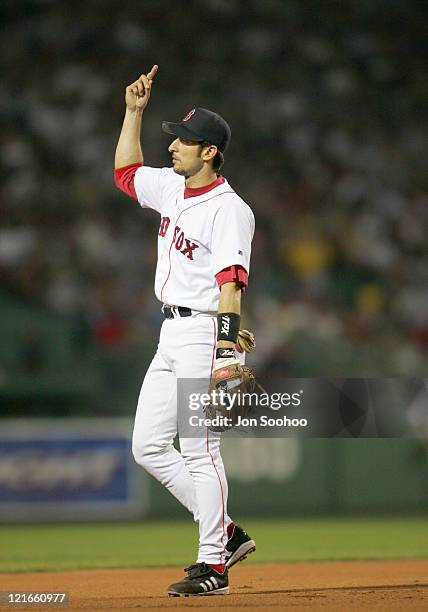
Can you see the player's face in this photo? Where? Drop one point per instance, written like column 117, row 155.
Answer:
column 186, row 157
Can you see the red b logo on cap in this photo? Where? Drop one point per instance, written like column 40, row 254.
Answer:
column 189, row 114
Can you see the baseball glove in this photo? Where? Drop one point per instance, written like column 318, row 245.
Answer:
column 228, row 403
column 245, row 341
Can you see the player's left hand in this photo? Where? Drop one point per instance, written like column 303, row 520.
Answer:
column 222, row 362
column 229, row 381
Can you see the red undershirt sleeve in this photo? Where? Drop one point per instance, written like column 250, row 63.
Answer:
column 232, row 274
column 124, row 179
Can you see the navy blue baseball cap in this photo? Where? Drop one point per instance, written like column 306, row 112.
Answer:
column 201, row 125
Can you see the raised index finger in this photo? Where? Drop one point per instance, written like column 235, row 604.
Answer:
column 153, row 71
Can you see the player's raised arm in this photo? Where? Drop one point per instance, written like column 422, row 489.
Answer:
column 137, row 95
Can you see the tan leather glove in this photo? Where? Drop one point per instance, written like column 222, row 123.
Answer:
column 235, row 383
column 245, row 341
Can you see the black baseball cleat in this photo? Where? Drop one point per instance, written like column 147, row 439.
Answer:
column 238, row 546
column 201, row 580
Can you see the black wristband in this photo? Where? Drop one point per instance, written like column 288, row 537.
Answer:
column 225, row 353
column 228, row 326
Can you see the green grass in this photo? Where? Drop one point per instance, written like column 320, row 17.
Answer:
column 155, row 544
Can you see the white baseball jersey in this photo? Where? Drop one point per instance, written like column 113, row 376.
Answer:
column 199, row 236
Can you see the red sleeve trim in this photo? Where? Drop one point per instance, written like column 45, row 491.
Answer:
column 233, row 273
column 124, row 179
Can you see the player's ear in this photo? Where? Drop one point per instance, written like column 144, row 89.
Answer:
column 209, row 152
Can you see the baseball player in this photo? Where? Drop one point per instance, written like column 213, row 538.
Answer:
column 204, row 245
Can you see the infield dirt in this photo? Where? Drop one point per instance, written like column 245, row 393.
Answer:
column 328, row 586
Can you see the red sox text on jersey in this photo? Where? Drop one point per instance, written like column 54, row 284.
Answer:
column 181, row 243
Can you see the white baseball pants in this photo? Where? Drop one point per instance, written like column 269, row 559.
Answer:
column 196, row 476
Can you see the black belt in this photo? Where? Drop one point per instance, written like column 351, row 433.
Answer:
column 171, row 312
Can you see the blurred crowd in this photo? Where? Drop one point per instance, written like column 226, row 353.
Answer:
column 327, row 107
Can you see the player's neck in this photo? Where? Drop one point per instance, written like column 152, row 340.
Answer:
column 204, row 177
